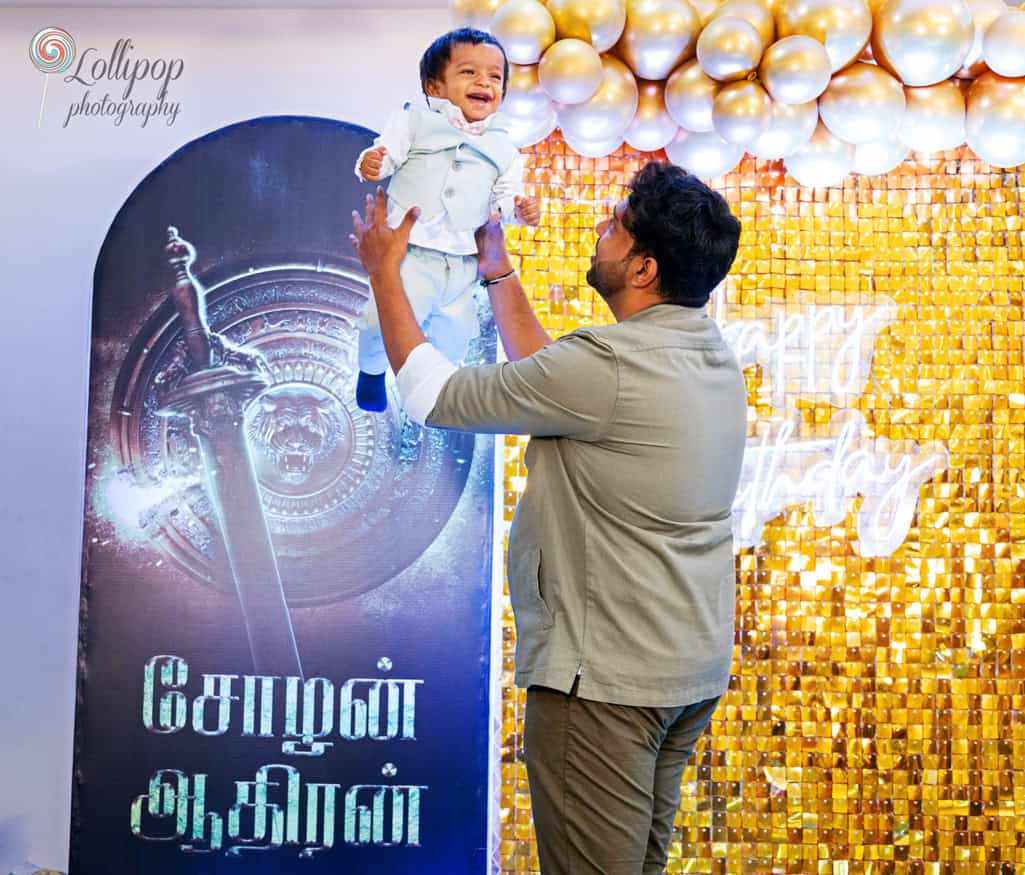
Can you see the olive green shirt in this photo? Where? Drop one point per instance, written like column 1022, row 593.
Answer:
column 620, row 564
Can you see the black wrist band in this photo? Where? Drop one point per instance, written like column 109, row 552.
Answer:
column 497, row 279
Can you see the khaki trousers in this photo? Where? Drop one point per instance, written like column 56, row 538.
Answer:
column 605, row 780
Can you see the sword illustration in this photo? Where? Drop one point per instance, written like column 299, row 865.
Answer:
column 221, row 381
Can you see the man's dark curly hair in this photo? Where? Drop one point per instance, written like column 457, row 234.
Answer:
column 438, row 54
column 686, row 227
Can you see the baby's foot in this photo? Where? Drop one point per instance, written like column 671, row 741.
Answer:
column 370, row 392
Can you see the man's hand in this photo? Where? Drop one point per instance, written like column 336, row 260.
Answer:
column 527, row 210
column 370, row 166
column 492, row 257
column 380, row 248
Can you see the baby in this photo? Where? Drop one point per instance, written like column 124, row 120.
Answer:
column 455, row 161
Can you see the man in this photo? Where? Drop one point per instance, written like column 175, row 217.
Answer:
column 620, row 555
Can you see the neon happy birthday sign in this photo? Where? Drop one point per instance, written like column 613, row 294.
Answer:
column 824, row 352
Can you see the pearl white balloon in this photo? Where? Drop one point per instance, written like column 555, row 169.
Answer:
column 528, row 131
column 934, row 118
column 824, row 160
column 875, row 159
column 842, row 26
column 753, row 11
column 922, row 41
column 652, row 127
column 741, row 111
column 524, row 96
column 593, row 148
column 790, row 127
column 729, row 48
column 995, row 124
column 706, row 155
column 862, row 104
column 984, row 13
column 690, row 95
column 1003, row 46
column 796, row 69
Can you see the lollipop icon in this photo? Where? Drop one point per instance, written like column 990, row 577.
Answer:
column 52, row 51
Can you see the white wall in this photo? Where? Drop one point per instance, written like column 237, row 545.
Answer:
column 59, row 190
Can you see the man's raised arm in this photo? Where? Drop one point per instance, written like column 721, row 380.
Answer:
column 522, row 335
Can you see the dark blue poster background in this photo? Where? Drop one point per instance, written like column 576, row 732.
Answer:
column 221, row 401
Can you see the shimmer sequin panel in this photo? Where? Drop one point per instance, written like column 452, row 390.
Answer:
column 875, row 721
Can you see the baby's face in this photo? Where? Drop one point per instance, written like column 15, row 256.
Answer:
column 472, row 80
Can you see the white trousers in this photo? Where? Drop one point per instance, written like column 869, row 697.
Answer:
column 440, row 288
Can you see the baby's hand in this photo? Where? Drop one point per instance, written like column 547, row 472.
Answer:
column 527, row 210
column 370, row 166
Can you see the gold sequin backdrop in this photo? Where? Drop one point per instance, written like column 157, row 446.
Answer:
column 875, row 720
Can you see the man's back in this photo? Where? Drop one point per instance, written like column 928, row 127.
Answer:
column 620, row 557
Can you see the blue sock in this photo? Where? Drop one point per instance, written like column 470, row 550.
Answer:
column 370, row 392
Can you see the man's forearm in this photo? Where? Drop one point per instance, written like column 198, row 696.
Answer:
column 399, row 329
column 522, row 335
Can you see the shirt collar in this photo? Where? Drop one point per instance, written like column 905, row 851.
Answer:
column 495, row 121
column 663, row 311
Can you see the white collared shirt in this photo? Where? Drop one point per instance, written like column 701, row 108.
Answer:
column 438, row 232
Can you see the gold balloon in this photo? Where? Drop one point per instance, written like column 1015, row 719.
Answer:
column 690, row 94
column 823, row 160
column 525, row 29
column 796, row 69
column 609, row 111
column 922, row 42
column 790, row 127
column 935, row 117
column 659, row 36
column 995, row 124
column 599, row 22
column 705, row 9
column 1003, row 46
column 593, row 148
column 879, row 157
column 474, row 13
column 729, row 48
column 706, row 155
column 528, row 131
column 524, row 96
column 651, row 127
column 984, row 13
column 752, row 11
column 842, row 26
column 570, row 71
column 741, row 111
column 862, row 103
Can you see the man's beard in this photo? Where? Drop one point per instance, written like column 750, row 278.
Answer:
column 606, row 277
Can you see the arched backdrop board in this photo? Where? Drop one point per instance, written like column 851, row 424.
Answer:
column 199, row 737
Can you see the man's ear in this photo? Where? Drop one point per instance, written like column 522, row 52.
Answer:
column 645, row 271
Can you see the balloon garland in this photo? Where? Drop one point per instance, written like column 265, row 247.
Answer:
column 830, row 86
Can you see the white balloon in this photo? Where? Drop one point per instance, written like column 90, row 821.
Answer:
column 824, row 160
column 706, row 155
column 593, row 149
column 1003, row 46
column 875, row 159
column 527, row 132
column 790, row 127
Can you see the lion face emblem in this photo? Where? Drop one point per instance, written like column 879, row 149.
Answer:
column 301, row 434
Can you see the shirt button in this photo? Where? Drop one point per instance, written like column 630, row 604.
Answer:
column 449, row 192
column 456, row 166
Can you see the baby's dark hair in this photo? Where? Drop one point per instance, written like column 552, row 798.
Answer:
column 438, row 54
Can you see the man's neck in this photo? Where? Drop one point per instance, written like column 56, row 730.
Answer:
column 630, row 302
